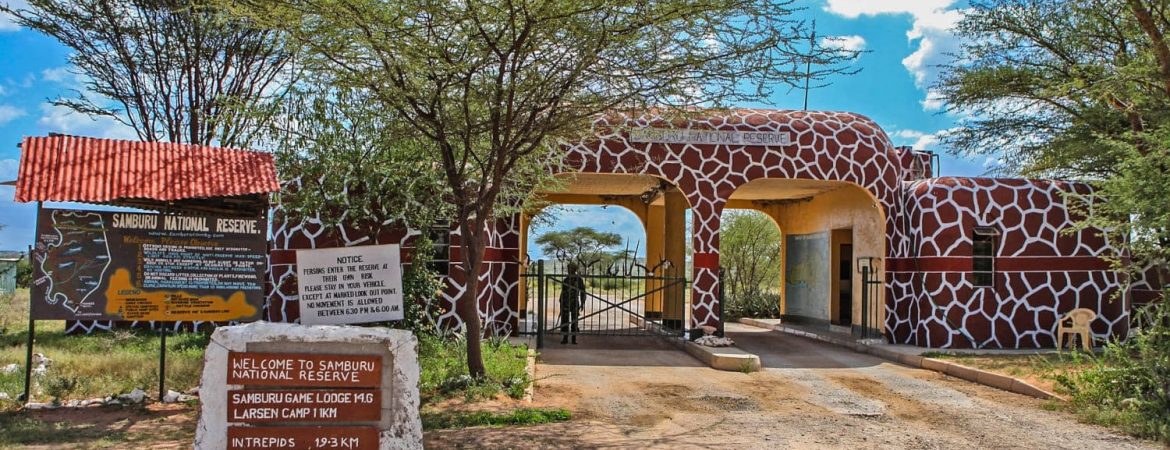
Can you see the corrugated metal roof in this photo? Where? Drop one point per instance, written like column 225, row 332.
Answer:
column 81, row 169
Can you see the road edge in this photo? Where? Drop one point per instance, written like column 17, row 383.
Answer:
column 978, row 376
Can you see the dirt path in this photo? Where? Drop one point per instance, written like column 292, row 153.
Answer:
column 810, row 395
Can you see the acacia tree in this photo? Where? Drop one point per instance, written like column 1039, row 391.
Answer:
column 493, row 87
column 1078, row 90
column 172, row 70
column 581, row 244
column 1043, row 83
column 749, row 250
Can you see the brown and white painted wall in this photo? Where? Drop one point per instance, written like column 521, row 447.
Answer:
column 920, row 227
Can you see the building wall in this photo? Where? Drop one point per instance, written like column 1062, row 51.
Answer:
column 1044, row 266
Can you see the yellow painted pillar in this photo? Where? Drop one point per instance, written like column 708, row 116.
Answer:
column 655, row 253
column 675, row 251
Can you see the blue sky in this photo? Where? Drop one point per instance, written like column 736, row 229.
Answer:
column 905, row 40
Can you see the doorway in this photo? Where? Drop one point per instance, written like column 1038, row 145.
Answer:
column 845, row 286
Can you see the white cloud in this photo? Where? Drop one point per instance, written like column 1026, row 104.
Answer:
column 852, row 9
column 9, row 169
column 852, row 43
column 918, row 140
column 7, row 22
column 60, row 119
column 9, row 113
column 58, row 74
column 931, row 31
column 934, row 101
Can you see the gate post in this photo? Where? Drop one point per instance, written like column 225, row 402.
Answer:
column 540, row 304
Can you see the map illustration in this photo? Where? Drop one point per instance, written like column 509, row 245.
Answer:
column 74, row 266
column 98, row 265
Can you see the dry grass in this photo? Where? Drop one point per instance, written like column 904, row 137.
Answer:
column 92, row 366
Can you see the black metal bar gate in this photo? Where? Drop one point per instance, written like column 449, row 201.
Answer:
column 622, row 298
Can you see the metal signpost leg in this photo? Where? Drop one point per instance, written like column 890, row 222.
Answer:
column 32, row 330
column 162, row 363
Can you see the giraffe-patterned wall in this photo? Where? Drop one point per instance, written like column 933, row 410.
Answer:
column 928, row 298
column 1044, row 266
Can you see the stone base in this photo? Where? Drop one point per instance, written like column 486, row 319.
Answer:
column 400, row 428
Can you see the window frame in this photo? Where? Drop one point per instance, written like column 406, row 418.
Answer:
column 990, row 236
column 440, row 236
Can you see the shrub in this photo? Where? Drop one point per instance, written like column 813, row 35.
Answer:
column 443, row 364
column 764, row 305
column 1128, row 386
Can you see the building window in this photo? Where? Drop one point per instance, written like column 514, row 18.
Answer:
column 983, row 256
column 440, row 236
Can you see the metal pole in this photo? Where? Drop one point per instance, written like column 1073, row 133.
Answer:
column 32, row 324
column 865, row 302
column 540, row 304
column 32, row 327
column 162, row 364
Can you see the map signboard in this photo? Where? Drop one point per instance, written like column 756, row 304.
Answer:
column 350, row 284
column 98, row 265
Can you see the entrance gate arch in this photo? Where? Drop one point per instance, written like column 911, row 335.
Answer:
column 708, row 158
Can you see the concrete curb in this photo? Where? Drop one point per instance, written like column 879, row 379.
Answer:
column 989, row 379
column 724, row 358
column 531, row 370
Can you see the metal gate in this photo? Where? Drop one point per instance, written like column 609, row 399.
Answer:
column 623, row 298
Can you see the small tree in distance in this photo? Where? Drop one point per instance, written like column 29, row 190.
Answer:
column 582, row 245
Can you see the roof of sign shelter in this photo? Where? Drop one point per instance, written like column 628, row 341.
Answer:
column 148, row 175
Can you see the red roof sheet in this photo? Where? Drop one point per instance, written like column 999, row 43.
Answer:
column 80, row 169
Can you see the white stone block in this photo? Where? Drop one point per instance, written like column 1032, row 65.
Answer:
column 401, row 427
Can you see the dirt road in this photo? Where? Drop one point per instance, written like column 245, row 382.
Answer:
column 810, row 395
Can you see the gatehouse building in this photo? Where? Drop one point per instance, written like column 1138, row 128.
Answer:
column 951, row 262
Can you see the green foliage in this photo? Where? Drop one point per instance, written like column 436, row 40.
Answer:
column 583, row 245
column 464, row 419
column 421, row 290
column 1041, row 83
column 24, row 273
column 749, row 250
column 1129, row 385
column 443, row 362
column 764, row 305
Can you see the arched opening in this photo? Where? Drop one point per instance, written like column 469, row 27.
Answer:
column 833, row 242
column 641, row 286
column 751, row 256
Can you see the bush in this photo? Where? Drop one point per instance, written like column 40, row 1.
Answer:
column 443, row 364
column 764, row 305
column 1128, row 386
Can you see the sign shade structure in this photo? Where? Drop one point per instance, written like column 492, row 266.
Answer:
column 91, row 265
column 350, row 284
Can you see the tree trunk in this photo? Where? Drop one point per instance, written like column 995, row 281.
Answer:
column 472, row 246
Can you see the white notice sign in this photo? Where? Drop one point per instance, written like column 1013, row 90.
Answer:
column 350, row 284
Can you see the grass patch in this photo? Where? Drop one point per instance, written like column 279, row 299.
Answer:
column 1041, row 369
column 101, row 364
column 464, row 419
column 88, row 366
column 443, row 365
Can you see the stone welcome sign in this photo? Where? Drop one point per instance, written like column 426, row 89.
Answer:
column 287, row 386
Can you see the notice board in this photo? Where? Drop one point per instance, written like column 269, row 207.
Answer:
column 350, row 284
column 99, row 265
